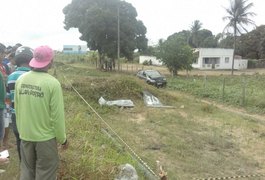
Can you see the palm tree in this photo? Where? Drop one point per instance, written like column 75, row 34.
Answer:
column 196, row 26
column 194, row 29
column 238, row 16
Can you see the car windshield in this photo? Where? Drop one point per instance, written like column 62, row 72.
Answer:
column 153, row 74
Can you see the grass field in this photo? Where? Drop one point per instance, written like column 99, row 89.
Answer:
column 192, row 140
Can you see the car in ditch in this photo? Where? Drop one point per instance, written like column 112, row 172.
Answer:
column 152, row 77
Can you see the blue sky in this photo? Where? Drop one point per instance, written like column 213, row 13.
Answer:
column 39, row 22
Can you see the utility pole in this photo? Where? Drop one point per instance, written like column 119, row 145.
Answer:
column 118, row 41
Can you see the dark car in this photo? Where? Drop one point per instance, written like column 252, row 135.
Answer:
column 152, row 77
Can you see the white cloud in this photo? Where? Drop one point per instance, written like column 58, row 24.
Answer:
column 163, row 18
column 38, row 22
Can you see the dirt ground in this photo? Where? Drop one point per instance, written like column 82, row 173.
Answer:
column 241, row 112
column 224, row 72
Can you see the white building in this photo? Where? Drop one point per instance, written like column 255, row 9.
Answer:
column 151, row 60
column 217, row 58
column 74, row 49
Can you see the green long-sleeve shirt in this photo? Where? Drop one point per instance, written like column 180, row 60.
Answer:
column 39, row 107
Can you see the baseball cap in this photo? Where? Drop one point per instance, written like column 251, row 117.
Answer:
column 23, row 54
column 42, row 56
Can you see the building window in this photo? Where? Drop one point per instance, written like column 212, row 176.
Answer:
column 211, row 60
column 227, row 60
column 67, row 49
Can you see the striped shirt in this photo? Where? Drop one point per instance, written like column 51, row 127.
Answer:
column 11, row 80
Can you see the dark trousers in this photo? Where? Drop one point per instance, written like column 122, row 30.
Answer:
column 39, row 160
column 18, row 140
column 2, row 125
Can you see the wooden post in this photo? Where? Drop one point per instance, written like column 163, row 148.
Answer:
column 243, row 91
column 205, row 81
column 223, row 90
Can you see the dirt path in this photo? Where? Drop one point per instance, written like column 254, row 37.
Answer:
column 238, row 111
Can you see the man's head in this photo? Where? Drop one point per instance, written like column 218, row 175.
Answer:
column 23, row 55
column 42, row 57
column 14, row 48
column 2, row 52
column 8, row 49
column 11, row 58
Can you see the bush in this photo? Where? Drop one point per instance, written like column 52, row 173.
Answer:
column 146, row 62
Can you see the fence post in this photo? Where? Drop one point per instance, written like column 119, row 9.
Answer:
column 243, row 91
column 205, row 81
column 223, row 90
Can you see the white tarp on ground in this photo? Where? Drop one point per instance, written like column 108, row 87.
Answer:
column 152, row 101
column 120, row 103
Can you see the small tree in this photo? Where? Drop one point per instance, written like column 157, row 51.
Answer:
column 175, row 53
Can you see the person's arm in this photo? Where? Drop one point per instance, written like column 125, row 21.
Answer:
column 65, row 145
column 57, row 114
column 11, row 82
column 8, row 94
column 2, row 91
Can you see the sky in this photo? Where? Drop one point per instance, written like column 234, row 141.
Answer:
column 40, row 22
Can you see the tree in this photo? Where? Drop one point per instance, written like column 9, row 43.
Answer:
column 251, row 45
column 262, row 49
column 201, row 37
column 226, row 41
column 194, row 29
column 206, row 39
column 209, row 42
column 150, row 51
column 238, row 17
column 97, row 21
column 175, row 53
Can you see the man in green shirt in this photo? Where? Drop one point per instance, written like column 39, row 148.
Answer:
column 40, row 118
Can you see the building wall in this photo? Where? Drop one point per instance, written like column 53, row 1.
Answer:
column 222, row 54
column 74, row 49
column 153, row 59
column 241, row 64
column 218, row 58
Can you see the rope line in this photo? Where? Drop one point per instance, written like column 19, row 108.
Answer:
column 138, row 157
column 231, row 177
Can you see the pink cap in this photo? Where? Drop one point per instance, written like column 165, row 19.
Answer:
column 42, row 56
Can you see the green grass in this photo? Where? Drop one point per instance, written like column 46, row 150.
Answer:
column 225, row 89
column 191, row 140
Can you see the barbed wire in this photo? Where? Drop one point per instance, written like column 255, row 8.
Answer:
column 230, row 177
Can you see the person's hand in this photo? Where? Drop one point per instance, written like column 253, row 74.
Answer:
column 65, row 145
